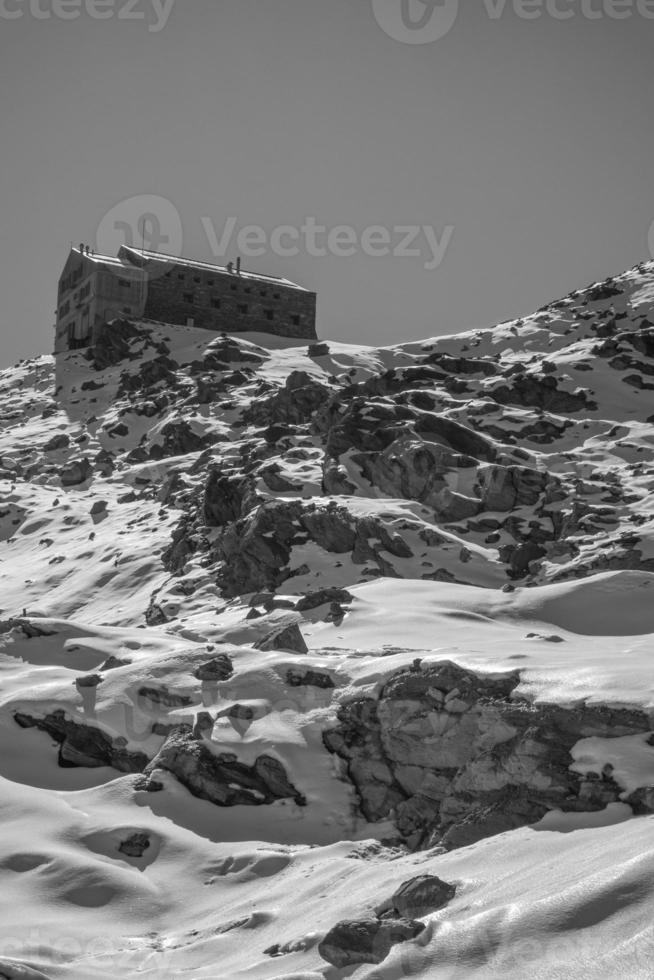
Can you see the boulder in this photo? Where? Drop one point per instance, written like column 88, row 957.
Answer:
column 219, row 668
column 421, row 895
column 219, row 778
column 356, row 941
column 75, row 472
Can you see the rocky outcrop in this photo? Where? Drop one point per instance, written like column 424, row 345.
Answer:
column 112, row 343
column 254, row 553
column 218, row 668
column 357, row 941
column 226, row 498
column 533, row 391
column 453, row 756
column 75, row 472
column 294, row 404
column 84, row 745
column 284, row 634
column 370, row 940
column 219, row 777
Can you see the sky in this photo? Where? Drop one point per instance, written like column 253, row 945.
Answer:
column 465, row 163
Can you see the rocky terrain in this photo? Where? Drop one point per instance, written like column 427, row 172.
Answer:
column 331, row 661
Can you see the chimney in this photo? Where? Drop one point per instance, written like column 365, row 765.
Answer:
column 238, row 266
column 230, row 267
column 81, row 248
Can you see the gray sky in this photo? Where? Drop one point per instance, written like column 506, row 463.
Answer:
column 523, row 145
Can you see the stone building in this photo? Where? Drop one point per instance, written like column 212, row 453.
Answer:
column 144, row 285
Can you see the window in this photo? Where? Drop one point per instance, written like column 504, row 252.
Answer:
column 295, row 320
column 124, row 282
column 181, row 276
column 209, row 282
column 215, row 302
column 233, row 288
column 196, row 279
column 264, row 292
column 187, row 297
column 269, row 314
column 276, row 296
column 242, row 308
column 167, row 275
column 127, row 309
column 247, row 289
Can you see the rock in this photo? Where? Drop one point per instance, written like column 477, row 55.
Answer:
column 421, row 895
column 311, row 600
column 111, row 663
column 309, row 678
column 226, row 499
column 454, row 756
column 285, row 637
column 91, row 680
column 76, row 472
column 220, row 778
column 357, row 941
column 60, row 441
column 219, row 668
column 179, row 439
column 136, row 845
column 99, row 507
column 84, row 745
column 162, row 696
column 154, row 614
column 294, row 404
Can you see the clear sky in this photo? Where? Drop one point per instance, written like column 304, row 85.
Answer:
column 524, row 146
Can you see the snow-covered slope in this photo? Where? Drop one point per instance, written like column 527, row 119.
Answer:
column 283, row 628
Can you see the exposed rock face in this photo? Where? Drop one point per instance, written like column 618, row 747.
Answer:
column 419, row 896
column 255, row 552
column 136, row 845
column 112, row 343
column 544, row 393
column 60, row 441
column 294, row 404
column 219, row 778
column 84, row 745
column 366, row 940
column 454, row 758
column 309, row 678
column 76, row 471
column 284, row 636
column 219, row 668
column 226, row 499
column 312, row 600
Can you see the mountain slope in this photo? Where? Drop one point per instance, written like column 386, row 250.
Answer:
column 305, row 597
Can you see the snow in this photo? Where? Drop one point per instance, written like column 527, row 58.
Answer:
column 570, row 896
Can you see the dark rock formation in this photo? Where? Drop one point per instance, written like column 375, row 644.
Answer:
column 356, row 941
column 284, row 636
column 76, row 471
column 84, row 745
column 219, row 778
column 135, row 845
column 454, row 757
column 219, row 668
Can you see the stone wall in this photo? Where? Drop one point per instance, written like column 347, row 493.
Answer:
column 233, row 303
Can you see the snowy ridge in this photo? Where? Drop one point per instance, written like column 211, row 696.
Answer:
column 284, row 627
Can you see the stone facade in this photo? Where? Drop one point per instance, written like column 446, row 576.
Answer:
column 215, row 299
column 94, row 289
